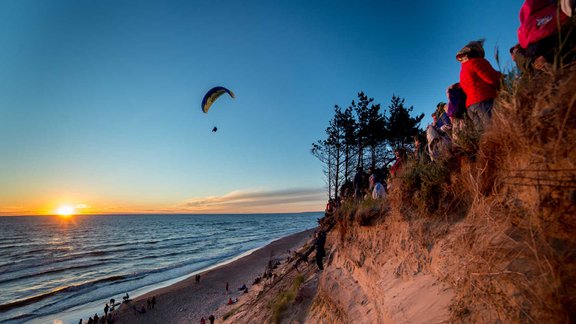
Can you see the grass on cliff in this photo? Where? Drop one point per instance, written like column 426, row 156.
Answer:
column 518, row 195
column 281, row 302
column 507, row 201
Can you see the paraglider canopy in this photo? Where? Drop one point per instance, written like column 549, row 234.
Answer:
column 212, row 95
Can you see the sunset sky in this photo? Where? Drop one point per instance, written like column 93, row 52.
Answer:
column 100, row 100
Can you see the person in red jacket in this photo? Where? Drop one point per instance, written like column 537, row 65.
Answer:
column 479, row 81
column 542, row 30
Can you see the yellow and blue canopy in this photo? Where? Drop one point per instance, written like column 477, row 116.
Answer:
column 212, row 95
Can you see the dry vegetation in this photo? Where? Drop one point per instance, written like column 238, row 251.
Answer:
column 489, row 229
column 500, row 210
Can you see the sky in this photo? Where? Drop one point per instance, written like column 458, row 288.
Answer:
column 100, row 100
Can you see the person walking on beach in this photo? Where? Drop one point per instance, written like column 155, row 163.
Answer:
column 202, row 321
column 148, row 303
column 211, row 319
column 227, row 287
column 153, row 301
column 106, row 308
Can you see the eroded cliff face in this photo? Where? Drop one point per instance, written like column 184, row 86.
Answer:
column 379, row 274
column 486, row 235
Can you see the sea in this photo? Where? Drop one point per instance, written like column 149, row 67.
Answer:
column 58, row 270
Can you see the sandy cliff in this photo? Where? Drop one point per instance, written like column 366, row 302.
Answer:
column 485, row 235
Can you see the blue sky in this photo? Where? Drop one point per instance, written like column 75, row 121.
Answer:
column 100, row 100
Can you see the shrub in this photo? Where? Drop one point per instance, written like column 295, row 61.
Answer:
column 280, row 303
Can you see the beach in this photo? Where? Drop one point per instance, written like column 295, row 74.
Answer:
column 188, row 301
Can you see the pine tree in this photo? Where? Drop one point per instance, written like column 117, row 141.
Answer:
column 401, row 127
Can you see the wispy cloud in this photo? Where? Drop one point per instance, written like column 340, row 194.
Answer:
column 299, row 199
column 14, row 210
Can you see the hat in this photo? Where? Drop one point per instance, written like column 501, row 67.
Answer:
column 474, row 48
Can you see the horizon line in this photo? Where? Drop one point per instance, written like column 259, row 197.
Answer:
column 152, row 213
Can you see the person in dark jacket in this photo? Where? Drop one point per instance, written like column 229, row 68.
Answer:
column 319, row 243
column 358, row 182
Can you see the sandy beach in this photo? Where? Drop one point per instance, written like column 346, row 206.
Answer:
column 188, row 301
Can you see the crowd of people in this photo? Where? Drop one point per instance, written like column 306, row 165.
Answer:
column 546, row 41
column 110, row 315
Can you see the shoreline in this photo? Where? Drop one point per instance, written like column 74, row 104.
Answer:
column 73, row 315
column 181, row 299
column 188, row 301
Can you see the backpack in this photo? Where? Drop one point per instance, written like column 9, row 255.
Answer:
column 456, row 101
column 538, row 20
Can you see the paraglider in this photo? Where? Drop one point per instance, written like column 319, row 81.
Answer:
column 212, row 95
column 215, row 129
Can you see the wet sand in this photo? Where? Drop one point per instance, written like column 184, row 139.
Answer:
column 188, row 301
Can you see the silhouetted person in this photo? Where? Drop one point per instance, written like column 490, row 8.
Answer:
column 106, row 308
column 211, row 319
column 320, row 252
column 153, row 301
column 358, row 180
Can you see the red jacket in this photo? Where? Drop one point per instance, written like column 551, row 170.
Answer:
column 479, row 80
column 538, row 19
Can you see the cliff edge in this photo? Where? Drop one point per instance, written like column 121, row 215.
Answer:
column 486, row 234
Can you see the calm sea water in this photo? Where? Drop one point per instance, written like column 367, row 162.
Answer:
column 49, row 264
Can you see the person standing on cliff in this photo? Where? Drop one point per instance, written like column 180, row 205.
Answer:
column 320, row 252
column 358, row 181
column 480, row 82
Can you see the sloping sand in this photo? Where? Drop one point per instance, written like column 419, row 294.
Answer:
column 188, row 301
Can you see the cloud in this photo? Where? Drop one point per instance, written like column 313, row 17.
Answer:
column 299, row 199
column 14, row 210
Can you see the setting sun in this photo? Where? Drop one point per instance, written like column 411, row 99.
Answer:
column 66, row 210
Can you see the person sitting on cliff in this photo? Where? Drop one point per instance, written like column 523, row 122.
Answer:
column 329, row 208
column 542, row 34
column 378, row 190
column 400, row 154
